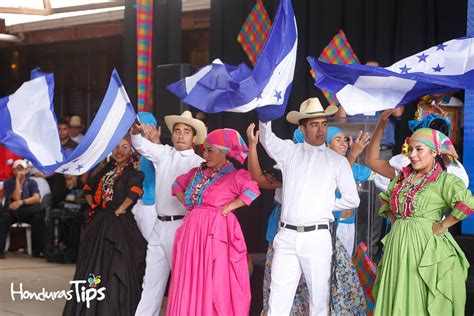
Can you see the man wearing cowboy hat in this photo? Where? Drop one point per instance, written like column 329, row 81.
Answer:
column 311, row 175
column 169, row 162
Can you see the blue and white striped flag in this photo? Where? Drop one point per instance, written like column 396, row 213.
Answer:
column 221, row 87
column 29, row 126
column 359, row 89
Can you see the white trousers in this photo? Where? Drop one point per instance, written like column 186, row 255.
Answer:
column 158, row 267
column 145, row 216
column 307, row 252
column 346, row 234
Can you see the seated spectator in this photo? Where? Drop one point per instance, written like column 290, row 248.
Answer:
column 6, row 161
column 22, row 204
column 39, row 178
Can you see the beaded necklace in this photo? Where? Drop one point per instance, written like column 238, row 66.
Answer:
column 197, row 188
column 409, row 188
column 108, row 182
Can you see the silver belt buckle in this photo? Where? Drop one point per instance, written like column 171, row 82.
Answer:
column 300, row 229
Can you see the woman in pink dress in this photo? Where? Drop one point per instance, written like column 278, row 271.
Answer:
column 209, row 270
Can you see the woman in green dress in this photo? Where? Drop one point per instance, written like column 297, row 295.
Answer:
column 423, row 271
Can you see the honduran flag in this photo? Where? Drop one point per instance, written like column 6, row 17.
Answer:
column 359, row 89
column 220, row 87
column 29, row 126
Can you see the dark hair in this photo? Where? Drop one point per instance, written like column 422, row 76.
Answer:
column 237, row 165
column 303, row 122
column 192, row 128
column 440, row 125
column 63, row 121
column 440, row 160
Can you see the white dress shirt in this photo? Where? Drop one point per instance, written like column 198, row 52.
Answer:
column 311, row 175
column 169, row 163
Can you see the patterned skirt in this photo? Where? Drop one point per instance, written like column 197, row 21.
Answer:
column 347, row 294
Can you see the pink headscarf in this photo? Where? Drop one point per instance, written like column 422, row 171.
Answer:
column 229, row 142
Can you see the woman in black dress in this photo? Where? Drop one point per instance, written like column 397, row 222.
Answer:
column 112, row 248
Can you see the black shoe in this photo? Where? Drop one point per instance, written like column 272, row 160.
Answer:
column 2, row 255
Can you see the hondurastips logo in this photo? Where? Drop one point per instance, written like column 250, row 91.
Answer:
column 83, row 291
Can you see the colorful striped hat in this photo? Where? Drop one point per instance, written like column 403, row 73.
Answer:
column 437, row 141
column 229, row 142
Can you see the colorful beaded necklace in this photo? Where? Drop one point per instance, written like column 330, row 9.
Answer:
column 409, row 188
column 197, row 188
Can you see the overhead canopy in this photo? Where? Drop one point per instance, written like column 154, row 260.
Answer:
column 33, row 15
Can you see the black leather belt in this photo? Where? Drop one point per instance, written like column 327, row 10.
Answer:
column 385, row 147
column 170, row 218
column 303, row 229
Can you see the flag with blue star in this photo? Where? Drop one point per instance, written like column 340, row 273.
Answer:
column 442, row 68
column 221, row 87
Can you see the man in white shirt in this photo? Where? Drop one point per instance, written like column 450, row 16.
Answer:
column 169, row 162
column 311, row 174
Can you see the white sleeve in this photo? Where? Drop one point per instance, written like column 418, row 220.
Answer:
column 151, row 151
column 458, row 170
column 399, row 162
column 347, row 187
column 277, row 148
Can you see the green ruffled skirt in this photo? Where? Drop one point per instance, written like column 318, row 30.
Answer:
column 420, row 273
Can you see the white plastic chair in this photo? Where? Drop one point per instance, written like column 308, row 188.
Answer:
column 27, row 228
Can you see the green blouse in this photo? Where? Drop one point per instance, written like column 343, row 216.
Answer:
column 433, row 200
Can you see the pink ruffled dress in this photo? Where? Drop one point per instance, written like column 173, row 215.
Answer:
column 209, row 269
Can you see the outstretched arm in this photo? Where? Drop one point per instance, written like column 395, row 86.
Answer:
column 253, row 163
column 278, row 149
column 148, row 146
column 372, row 157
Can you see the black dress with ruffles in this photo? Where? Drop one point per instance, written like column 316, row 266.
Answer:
column 112, row 248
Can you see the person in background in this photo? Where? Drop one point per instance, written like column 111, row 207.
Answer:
column 22, row 204
column 6, row 162
column 67, row 144
column 75, row 128
column 145, row 209
column 337, row 141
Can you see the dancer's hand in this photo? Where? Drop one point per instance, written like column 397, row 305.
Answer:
column 119, row 212
column 438, row 228
column 383, row 119
column 252, row 137
column 136, row 128
column 358, row 146
column 152, row 134
column 225, row 210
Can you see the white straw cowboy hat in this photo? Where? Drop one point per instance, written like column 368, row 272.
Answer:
column 75, row 121
column 309, row 109
column 187, row 118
